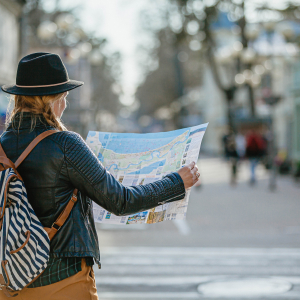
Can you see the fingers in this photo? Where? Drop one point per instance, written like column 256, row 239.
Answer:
column 189, row 174
column 191, row 165
column 197, row 178
column 195, row 169
column 195, row 174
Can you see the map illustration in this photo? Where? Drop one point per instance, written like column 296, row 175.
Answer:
column 138, row 159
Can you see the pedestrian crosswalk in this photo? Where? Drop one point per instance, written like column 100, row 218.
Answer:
column 198, row 273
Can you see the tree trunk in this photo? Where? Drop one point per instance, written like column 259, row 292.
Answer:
column 229, row 93
column 180, row 86
column 251, row 100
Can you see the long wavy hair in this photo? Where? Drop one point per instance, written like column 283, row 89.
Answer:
column 37, row 105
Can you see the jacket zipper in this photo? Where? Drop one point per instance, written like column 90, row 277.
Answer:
column 171, row 198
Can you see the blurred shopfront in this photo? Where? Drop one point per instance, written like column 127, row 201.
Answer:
column 10, row 12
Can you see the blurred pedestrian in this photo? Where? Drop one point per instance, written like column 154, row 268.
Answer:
column 55, row 167
column 240, row 141
column 255, row 151
column 230, row 151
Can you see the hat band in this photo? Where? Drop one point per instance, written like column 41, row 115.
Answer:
column 37, row 86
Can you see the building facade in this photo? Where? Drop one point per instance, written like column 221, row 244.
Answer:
column 10, row 14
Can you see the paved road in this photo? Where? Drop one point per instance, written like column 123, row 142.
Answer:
column 199, row 273
column 238, row 239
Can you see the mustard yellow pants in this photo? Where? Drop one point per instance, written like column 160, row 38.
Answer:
column 81, row 286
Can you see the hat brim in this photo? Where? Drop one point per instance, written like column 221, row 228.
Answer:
column 41, row 91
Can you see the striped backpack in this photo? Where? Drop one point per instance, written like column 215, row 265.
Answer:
column 24, row 242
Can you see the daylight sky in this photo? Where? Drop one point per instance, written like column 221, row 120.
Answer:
column 118, row 22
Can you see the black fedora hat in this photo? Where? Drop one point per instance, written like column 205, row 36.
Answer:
column 41, row 74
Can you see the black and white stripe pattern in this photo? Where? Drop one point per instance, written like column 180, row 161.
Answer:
column 19, row 219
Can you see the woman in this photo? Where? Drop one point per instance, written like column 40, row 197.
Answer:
column 60, row 163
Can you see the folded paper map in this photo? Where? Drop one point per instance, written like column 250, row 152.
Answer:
column 134, row 158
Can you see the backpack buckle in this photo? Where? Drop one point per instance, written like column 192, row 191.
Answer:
column 3, row 286
column 75, row 198
column 55, row 226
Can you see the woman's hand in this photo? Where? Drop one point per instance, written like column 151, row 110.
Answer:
column 189, row 174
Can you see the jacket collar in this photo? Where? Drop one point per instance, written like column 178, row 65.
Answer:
column 26, row 121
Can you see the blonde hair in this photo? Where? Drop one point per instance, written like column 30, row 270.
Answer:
column 37, row 105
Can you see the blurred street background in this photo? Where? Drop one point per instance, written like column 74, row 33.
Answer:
column 160, row 65
column 242, row 242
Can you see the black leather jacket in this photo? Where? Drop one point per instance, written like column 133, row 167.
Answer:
column 62, row 162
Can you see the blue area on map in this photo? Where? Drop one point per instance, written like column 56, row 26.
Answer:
column 136, row 142
column 150, row 168
column 91, row 133
column 100, row 157
column 103, row 137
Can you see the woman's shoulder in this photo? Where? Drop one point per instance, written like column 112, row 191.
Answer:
column 74, row 146
column 66, row 138
column 68, row 134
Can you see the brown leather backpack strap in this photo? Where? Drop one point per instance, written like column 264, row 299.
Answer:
column 8, row 292
column 32, row 145
column 2, row 153
column 62, row 217
column 7, row 163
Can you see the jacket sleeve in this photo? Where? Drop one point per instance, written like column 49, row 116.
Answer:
column 88, row 175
